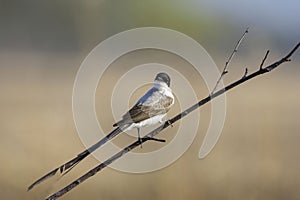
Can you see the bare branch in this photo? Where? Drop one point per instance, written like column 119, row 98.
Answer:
column 229, row 60
column 171, row 121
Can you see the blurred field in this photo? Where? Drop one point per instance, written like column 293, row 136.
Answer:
column 257, row 156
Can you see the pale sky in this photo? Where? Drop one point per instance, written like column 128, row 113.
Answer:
column 280, row 16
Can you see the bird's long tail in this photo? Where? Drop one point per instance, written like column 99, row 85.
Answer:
column 66, row 167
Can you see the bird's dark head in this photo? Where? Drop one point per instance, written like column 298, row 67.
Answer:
column 163, row 77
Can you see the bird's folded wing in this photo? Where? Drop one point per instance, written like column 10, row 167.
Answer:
column 145, row 110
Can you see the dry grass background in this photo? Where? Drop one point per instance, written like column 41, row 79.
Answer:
column 257, row 156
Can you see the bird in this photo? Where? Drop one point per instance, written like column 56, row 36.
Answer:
column 151, row 108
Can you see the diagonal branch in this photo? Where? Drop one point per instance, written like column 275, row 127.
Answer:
column 66, row 167
column 170, row 122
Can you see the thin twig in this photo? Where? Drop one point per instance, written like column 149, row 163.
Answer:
column 171, row 121
column 263, row 61
column 246, row 72
column 229, row 60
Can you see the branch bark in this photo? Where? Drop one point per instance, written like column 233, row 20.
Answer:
column 156, row 131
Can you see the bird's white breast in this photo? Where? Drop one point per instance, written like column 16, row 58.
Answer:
column 148, row 122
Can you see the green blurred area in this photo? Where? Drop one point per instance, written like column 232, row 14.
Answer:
column 72, row 26
column 42, row 44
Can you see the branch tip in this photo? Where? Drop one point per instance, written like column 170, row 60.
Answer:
column 229, row 59
column 246, row 72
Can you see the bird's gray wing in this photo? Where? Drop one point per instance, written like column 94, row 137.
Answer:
column 155, row 104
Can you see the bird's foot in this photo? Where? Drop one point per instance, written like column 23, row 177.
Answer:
column 169, row 122
column 141, row 142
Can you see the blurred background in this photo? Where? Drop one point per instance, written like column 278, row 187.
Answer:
column 43, row 43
